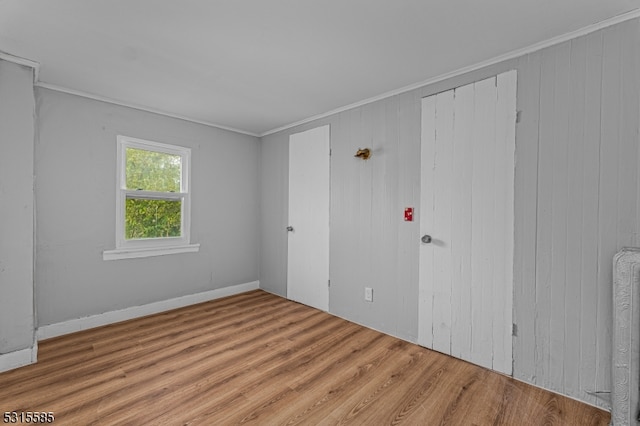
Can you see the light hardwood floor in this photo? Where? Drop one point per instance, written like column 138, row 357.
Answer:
column 260, row 359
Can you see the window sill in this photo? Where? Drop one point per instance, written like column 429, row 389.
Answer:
column 132, row 253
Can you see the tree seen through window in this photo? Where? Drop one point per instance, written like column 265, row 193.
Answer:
column 147, row 215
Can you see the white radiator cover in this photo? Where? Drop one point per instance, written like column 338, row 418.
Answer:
column 625, row 371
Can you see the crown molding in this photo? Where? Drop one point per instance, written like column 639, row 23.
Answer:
column 633, row 14
column 138, row 107
column 36, row 82
column 24, row 62
column 495, row 60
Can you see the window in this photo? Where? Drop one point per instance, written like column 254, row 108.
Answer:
column 152, row 200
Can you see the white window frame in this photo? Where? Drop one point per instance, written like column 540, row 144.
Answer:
column 146, row 247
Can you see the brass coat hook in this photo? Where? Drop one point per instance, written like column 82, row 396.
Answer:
column 363, row 153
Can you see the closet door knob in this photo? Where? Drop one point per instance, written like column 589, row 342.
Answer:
column 426, row 239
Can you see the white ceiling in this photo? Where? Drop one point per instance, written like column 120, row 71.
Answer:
column 258, row 65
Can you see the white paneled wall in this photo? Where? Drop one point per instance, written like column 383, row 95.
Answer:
column 576, row 204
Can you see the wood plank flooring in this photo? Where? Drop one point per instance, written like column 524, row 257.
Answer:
column 256, row 358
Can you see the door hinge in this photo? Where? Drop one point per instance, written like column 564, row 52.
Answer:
column 518, row 116
column 514, row 330
column 328, row 283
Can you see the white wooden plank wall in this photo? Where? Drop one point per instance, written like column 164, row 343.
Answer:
column 577, row 166
column 600, row 212
column 405, row 137
column 386, row 219
column 348, row 261
column 526, row 175
column 427, row 220
column 629, row 112
column 608, row 195
column 371, row 245
column 575, row 188
column 589, row 220
column 558, row 211
column 544, row 219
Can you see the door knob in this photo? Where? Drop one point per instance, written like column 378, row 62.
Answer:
column 426, row 239
column 290, row 228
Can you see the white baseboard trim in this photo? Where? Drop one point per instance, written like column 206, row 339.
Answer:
column 20, row 358
column 85, row 323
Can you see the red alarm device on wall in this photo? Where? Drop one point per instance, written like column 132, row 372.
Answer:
column 408, row 214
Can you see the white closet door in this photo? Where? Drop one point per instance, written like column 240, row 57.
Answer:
column 467, row 213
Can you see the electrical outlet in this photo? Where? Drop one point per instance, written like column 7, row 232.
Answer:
column 368, row 294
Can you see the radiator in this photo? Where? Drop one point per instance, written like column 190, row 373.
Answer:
column 625, row 368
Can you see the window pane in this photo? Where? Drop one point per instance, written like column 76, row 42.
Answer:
column 152, row 218
column 153, row 171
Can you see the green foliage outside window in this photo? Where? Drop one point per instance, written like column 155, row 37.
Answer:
column 153, row 171
column 152, row 218
column 158, row 172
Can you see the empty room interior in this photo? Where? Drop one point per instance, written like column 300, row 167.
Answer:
column 319, row 212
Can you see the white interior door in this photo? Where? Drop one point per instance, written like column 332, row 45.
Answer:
column 467, row 209
column 308, row 256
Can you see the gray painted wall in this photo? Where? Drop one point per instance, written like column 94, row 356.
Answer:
column 75, row 165
column 577, row 197
column 16, row 207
